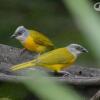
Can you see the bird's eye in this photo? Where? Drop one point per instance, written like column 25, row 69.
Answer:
column 78, row 48
column 19, row 33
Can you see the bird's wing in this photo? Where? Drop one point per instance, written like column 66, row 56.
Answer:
column 41, row 39
column 59, row 56
column 50, row 61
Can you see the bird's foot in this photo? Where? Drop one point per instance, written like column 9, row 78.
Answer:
column 66, row 73
column 37, row 56
column 23, row 51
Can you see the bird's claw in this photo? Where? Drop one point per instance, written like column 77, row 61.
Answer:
column 22, row 51
column 66, row 73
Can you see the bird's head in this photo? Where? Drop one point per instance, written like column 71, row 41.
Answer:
column 76, row 49
column 20, row 33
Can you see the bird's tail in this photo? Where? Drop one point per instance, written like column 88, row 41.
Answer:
column 23, row 65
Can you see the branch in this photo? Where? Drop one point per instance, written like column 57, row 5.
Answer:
column 11, row 55
column 70, row 80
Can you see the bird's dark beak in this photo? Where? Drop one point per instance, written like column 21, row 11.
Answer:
column 84, row 50
column 13, row 36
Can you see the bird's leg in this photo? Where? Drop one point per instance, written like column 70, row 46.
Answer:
column 58, row 73
column 22, row 51
column 37, row 57
column 65, row 73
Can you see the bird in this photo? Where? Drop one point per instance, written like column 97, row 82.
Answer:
column 55, row 60
column 32, row 40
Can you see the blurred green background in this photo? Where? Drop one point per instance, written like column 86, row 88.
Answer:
column 47, row 16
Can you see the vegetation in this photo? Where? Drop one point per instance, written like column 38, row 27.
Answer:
column 53, row 19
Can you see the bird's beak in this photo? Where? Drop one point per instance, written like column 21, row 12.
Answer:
column 13, row 36
column 84, row 50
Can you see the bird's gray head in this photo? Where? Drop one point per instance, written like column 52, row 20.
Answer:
column 20, row 33
column 76, row 49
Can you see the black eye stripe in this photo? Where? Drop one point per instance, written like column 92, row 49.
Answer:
column 20, row 32
column 78, row 48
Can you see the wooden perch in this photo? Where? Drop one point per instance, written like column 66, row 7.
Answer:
column 86, row 80
column 11, row 55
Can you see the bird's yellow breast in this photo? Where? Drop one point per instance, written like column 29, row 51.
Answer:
column 30, row 45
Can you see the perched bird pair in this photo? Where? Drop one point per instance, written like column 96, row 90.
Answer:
column 54, row 60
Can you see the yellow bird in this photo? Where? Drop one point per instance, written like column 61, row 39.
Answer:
column 56, row 59
column 32, row 40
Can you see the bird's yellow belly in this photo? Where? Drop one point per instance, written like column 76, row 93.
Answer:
column 30, row 45
column 58, row 67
